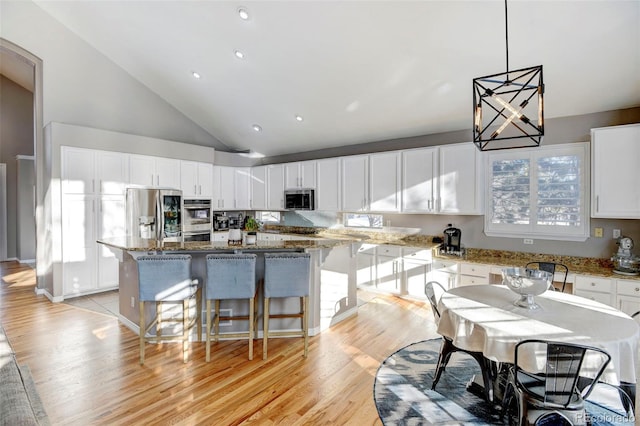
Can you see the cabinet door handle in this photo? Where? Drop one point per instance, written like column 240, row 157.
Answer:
column 597, row 203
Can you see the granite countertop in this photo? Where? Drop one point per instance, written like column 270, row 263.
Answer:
column 141, row 244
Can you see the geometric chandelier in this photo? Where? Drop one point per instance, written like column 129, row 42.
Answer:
column 508, row 108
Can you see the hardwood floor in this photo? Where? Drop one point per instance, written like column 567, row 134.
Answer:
column 85, row 366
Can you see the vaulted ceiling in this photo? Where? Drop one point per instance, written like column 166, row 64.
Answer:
column 358, row 71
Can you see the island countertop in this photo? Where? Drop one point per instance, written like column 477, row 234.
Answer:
column 133, row 244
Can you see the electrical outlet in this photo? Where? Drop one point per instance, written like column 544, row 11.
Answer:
column 616, row 233
column 133, row 302
column 528, row 241
column 598, row 233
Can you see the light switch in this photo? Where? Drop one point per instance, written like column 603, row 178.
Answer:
column 598, row 233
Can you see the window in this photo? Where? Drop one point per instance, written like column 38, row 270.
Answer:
column 361, row 220
column 538, row 192
column 268, row 217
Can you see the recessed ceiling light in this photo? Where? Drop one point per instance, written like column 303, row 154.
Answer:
column 238, row 54
column 257, row 128
column 243, row 13
column 195, row 74
column 299, row 118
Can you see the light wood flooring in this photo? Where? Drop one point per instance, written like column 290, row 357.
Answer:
column 85, row 366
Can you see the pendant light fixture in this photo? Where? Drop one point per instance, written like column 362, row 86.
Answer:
column 508, row 107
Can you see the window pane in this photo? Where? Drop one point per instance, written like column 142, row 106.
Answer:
column 363, row 220
column 268, row 217
column 559, row 191
column 511, row 192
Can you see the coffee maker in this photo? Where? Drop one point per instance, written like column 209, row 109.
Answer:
column 451, row 244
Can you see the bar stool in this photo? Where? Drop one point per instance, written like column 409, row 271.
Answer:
column 166, row 279
column 286, row 275
column 229, row 277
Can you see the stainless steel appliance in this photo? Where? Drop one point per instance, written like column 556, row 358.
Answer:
column 197, row 220
column 299, row 199
column 220, row 223
column 452, row 238
column 154, row 213
column 624, row 262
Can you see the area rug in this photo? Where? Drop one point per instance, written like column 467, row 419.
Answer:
column 403, row 395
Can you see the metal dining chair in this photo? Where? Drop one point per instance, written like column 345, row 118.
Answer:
column 551, row 267
column 162, row 280
column 552, row 384
column 434, row 291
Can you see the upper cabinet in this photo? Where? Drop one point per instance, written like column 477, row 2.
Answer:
column 384, row 182
column 275, row 187
column 300, row 175
column 242, row 188
column 460, row 180
column 328, row 184
column 419, row 180
column 615, row 192
column 223, row 188
column 259, row 188
column 88, row 171
column 196, row 179
column 355, row 183
column 154, row 171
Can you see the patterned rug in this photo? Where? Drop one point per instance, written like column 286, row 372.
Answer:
column 403, row 395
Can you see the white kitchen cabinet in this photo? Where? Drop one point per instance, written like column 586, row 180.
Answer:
column 355, row 183
column 366, row 266
column 416, row 264
column 328, row 184
column 301, row 174
column 148, row 170
column 595, row 288
column 220, row 236
column 615, row 192
column 628, row 296
column 384, row 182
column 89, row 171
column 460, row 180
column 389, row 271
column 86, row 265
column 445, row 272
column 419, row 180
column 196, row 179
column 242, row 188
column 259, row 188
column 473, row 274
column 275, row 189
column 223, row 188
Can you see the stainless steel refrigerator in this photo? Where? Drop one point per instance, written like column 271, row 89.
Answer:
column 154, row 213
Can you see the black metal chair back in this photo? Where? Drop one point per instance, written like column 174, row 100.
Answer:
column 434, row 290
column 551, row 267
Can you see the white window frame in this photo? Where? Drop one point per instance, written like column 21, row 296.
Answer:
column 533, row 230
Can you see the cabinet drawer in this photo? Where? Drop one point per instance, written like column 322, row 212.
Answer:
column 451, row 268
column 471, row 280
column 592, row 295
column 416, row 254
column 475, row 270
column 601, row 285
column 392, row 251
column 629, row 287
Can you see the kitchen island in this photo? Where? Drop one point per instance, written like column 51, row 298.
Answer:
column 332, row 296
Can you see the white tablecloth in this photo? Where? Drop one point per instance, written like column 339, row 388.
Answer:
column 483, row 318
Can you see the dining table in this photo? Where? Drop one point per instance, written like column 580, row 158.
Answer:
column 484, row 318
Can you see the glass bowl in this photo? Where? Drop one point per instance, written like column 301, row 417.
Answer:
column 527, row 283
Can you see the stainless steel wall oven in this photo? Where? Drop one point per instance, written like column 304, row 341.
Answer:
column 198, row 220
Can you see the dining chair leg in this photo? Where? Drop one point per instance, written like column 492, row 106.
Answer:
column 445, row 353
column 265, row 328
column 143, row 327
column 208, row 332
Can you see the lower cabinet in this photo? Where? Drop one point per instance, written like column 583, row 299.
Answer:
column 87, row 266
column 445, row 272
column 389, row 269
column 416, row 265
column 598, row 289
column 474, row 274
column 628, row 296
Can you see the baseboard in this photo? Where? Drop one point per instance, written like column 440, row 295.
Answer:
column 54, row 299
column 30, row 261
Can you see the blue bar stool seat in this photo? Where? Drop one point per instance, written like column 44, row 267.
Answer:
column 230, row 277
column 286, row 275
column 166, row 279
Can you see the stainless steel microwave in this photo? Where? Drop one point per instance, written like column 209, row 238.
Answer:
column 299, row 199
